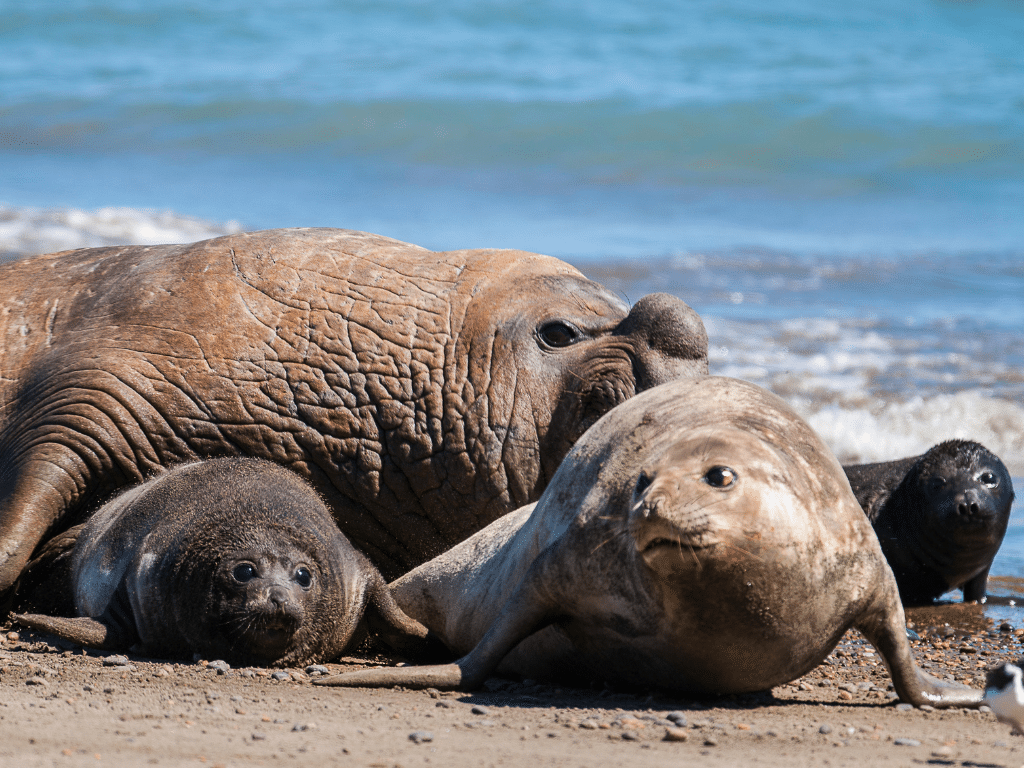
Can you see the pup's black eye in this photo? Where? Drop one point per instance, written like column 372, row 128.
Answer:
column 642, row 483
column 244, row 572
column 989, row 479
column 936, row 484
column 720, row 477
column 558, row 334
column 303, row 577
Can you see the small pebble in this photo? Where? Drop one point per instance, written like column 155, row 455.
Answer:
column 280, row 675
column 984, row 708
column 443, row 704
column 904, row 707
column 421, row 737
column 13, row 636
column 304, row 726
column 826, row 728
column 630, row 736
column 926, row 708
column 710, row 741
column 317, row 669
column 115, row 661
column 676, row 734
column 589, row 725
column 480, row 710
column 220, row 666
column 679, row 718
column 906, row 742
column 943, row 752
column 36, row 681
column 257, row 736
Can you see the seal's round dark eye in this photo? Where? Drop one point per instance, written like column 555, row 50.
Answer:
column 936, row 484
column 989, row 479
column 244, row 572
column 642, row 483
column 720, row 477
column 303, row 577
column 558, row 334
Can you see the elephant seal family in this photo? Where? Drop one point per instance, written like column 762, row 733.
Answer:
column 234, row 559
column 423, row 394
column 940, row 517
column 700, row 537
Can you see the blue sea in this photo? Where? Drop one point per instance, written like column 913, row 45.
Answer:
column 838, row 188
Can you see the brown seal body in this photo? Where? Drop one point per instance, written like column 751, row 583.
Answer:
column 940, row 517
column 700, row 537
column 234, row 559
column 422, row 394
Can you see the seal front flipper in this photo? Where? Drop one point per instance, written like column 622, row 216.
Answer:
column 884, row 626
column 101, row 633
column 531, row 608
column 976, row 588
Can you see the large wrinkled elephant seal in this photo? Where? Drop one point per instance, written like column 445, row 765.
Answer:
column 700, row 537
column 234, row 559
column 940, row 517
column 423, row 394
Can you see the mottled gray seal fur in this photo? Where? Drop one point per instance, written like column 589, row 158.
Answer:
column 700, row 537
column 236, row 559
column 940, row 517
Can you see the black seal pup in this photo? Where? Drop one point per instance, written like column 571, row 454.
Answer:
column 700, row 537
column 940, row 517
column 235, row 559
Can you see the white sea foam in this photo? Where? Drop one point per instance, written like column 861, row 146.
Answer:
column 25, row 231
column 895, row 430
column 875, row 392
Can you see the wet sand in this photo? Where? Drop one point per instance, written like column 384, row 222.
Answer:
column 63, row 706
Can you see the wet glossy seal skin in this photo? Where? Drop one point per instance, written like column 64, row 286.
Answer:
column 700, row 537
column 940, row 517
column 234, row 559
column 423, row 394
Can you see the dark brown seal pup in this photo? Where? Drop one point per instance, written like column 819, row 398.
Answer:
column 423, row 394
column 700, row 537
column 234, row 559
column 940, row 517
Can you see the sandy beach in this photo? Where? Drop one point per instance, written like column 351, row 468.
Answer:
column 63, row 706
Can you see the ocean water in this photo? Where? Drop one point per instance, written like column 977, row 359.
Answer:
column 837, row 188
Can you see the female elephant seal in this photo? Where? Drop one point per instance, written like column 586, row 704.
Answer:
column 940, row 517
column 236, row 559
column 700, row 537
column 423, row 394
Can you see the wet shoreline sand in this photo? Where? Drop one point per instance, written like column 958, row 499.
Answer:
column 60, row 705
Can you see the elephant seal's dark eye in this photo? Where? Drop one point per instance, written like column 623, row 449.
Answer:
column 558, row 334
column 936, row 484
column 989, row 479
column 720, row 477
column 643, row 483
column 244, row 572
column 303, row 577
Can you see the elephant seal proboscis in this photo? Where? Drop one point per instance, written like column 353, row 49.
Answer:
column 423, row 394
column 234, row 559
column 700, row 537
column 940, row 517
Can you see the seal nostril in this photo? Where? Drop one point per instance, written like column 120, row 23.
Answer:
column 642, row 483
